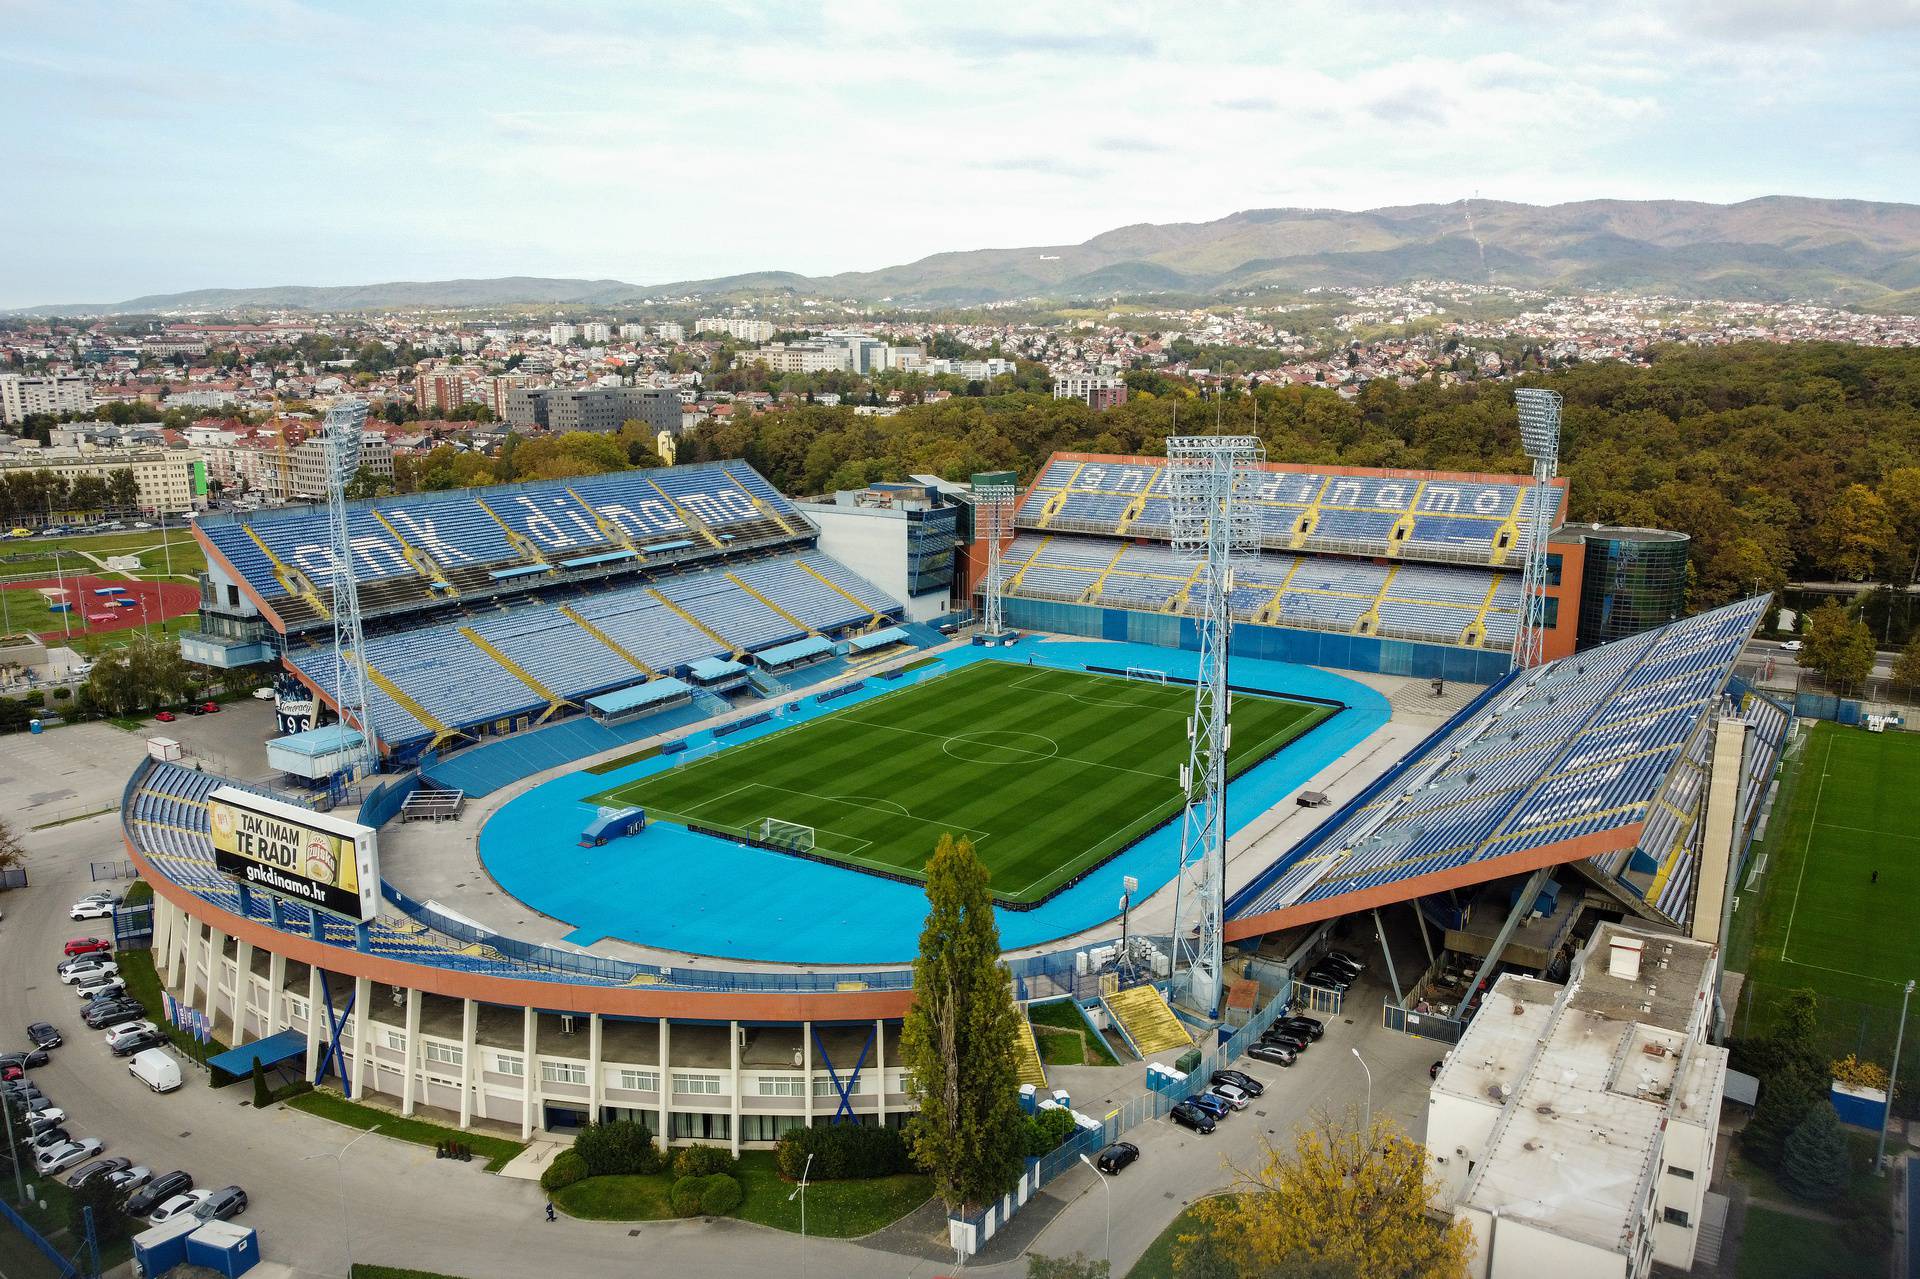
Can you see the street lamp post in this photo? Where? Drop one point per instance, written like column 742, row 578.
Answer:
column 1893, row 1075
column 340, row 1179
column 801, row 1194
column 1363, row 1065
column 13, row 1153
column 1101, row 1178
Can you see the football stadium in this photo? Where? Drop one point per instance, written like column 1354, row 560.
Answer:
column 662, row 755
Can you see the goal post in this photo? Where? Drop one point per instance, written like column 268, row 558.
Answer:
column 1151, row 674
column 784, row 834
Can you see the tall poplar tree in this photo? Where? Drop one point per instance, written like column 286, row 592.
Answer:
column 959, row 1036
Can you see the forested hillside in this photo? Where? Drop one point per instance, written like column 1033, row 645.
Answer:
column 1781, row 461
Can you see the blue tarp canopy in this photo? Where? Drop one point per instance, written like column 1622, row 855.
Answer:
column 519, row 570
column 270, row 1052
column 797, row 650
column 879, row 639
column 319, row 741
column 604, row 557
column 715, row 668
column 109, row 590
column 679, row 544
column 626, row 699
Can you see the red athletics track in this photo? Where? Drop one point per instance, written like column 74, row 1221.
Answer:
column 162, row 599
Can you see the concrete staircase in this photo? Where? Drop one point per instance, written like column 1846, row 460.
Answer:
column 1145, row 1021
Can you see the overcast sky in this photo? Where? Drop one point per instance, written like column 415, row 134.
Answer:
column 152, row 148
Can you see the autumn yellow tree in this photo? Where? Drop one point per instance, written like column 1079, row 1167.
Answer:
column 1346, row 1199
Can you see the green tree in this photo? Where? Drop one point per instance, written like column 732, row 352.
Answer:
column 1785, row 1098
column 11, row 852
column 1078, row 1266
column 958, row 1038
column 365, row 484
column 1906, row 667
column 1854, row 536
column 1815, row 1164
column 1838, row 645
column 109, row 1222
column 262, row 1097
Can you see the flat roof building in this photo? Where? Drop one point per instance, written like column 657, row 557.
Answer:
column 1574, row 1127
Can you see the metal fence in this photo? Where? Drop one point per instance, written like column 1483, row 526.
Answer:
column 121, row 869
column 13, row 877
column 65, row 1268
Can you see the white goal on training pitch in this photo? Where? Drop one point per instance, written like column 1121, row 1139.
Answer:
column 1149, row 673
column 786, row 834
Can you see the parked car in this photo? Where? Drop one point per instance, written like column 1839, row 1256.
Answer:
column 95, row 909
column 101, row 895
column 1791, row 646
column 98, row 1168
column 156, row 1192
column 11, row 1070
column 264, row 694
column 43, row 1034
column 1232, row 1095
column 1310, row 1028
column 1188, row 1115
column 87, row 967
column 112, row 1012
column 156, row 1069
column 45, row 1121
column 1213, row 1105
column 131, row 1030
column 88, row 946
column 1285, row 1038
column 153, row 1038
column 178, row 1205
column 166, row 717
column 59, row 1157
column 22, row 1089
column 223, row 1204
column 48, row 1138
column 1273, row 1053
column 44, row 1110
column 1244, row 1082
column 105, row 986
column 1329, row 977
column 128, row 1180
column 1115, row 1157
column 1346, row 959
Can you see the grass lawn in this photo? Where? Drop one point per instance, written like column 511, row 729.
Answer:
column 19, row 555
column 1157, row 1261
column 835, row 1209
column 1821, row 922
column 988, row 752
column 1777, row 1245
column 1059, row 1028
column 497, row 1151
column 143, row 983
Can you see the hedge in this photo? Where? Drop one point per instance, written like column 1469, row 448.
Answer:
column 685, row 1196
column 721, row 1196
column 567, row 1167
column 1046, row 1130
column 842, row 1152
column 618, row 1148
column 702, row 1161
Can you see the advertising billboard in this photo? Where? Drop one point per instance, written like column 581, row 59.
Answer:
column 295, row 853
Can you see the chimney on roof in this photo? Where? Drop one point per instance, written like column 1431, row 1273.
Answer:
column 1623, row 958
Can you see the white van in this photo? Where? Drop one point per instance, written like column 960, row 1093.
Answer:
column 155, row 1068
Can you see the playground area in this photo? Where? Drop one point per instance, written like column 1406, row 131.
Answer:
column 56, row 608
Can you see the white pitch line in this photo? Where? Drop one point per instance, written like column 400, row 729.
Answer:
column 948, row 737
column 1862, row 830
column 1806, row 854
column 1844, row 972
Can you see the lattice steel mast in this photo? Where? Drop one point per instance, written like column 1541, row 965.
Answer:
column 1209, row 479
column 1540, row 437
column 993, row 498
column 341, row 431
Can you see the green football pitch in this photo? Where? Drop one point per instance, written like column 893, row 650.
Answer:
column 1048, row 772
column 1823, row 921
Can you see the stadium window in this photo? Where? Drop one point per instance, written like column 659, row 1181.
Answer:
column 1676, row 1217
column 1553, row 569
column 1550, row 611
column 823, row 1086
column 780, row 1086
column 699, row 1126
column 397, row 1040
column 442, row 1054
column 767, row 1127
column 1680, row 1172
column 685, row 1081
column 296, row 1008
column 507, row 1064
column 563, row 1072
column 640, row 1080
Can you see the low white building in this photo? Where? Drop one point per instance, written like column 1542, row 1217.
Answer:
column 1574, row 1127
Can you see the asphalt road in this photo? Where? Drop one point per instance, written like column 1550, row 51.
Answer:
column 322, row 1194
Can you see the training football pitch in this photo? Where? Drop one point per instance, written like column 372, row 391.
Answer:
column 1048, row 772
column 1844, row 813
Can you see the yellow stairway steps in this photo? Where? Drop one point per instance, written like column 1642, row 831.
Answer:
column 1145, row 1020
column 1026, row 1057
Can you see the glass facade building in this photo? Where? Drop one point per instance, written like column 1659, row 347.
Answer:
column 1635, row 579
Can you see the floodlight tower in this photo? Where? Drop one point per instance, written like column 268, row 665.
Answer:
column 994, row 494
column 1210, row 479
column 341, row 431
column 1540, row 437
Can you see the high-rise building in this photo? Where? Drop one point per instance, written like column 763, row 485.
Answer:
column 496, row 389
column 1099, row 390
column 597, row 333
column 562, row 334
column 738, row 330
column 632, row 332
column 437, row 392
column 22, row 396
column 310, row 460
column 603, row 409
column 668, row 331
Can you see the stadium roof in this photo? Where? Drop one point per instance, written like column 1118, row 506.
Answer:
column 626, row 699
column 315, row 742
column 1558, row 763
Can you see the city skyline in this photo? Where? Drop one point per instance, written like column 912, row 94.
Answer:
column 337, row 144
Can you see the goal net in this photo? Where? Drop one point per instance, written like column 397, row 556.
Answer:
column 1148, row 673
column 786, row 834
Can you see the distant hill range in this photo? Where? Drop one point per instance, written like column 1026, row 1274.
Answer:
column 1775, row 248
